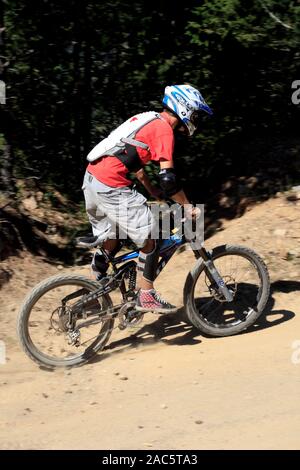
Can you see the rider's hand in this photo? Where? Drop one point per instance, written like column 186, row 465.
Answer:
column 192, row 212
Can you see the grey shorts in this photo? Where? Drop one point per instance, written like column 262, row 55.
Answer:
column 117, row 212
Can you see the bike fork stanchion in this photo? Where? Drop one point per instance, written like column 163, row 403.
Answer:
column 213, row 274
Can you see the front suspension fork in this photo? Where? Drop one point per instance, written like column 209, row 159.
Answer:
column 212, row 273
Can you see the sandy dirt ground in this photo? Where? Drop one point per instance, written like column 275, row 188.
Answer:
column 164, row 385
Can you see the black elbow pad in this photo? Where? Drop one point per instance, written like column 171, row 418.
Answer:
column 168, row 182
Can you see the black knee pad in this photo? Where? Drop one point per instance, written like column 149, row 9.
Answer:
column 147, row 263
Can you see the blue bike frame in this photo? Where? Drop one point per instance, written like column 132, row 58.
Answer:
column 167, row 249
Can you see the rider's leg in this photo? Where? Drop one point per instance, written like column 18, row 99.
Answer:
column 111, row 246
column 101, row 225
column 147, row 264
column 99, row 263
column 148, row 299
column 127, row 209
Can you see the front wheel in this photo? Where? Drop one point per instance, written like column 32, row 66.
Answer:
column 55, row 330
column 245, row 275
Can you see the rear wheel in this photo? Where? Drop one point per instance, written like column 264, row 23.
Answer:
column 55, row 331
column 245, row 275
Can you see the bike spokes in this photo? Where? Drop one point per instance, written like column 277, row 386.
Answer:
column 241, row 279
column 58, row 328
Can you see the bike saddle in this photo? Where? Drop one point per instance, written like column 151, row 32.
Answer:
column 89, row 241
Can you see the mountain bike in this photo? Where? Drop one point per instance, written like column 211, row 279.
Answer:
column 67, row 319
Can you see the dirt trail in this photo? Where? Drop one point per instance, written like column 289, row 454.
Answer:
column 183, row 391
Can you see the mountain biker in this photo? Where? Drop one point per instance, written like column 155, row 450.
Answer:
column 107, row 189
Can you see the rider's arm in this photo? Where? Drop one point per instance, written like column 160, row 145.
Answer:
column 143, row 178
column 180, row 196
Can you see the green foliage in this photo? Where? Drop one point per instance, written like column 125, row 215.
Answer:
column 78, row 69
column 1, row 143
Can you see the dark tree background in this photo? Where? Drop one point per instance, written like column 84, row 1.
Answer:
column 75, row 69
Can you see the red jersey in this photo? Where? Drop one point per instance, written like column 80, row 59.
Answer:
column 157, row 134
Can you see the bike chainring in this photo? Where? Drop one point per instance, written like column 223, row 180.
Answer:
column 128, row 316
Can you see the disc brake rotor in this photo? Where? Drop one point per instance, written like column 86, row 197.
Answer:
column 230, row 284
column 59, row 319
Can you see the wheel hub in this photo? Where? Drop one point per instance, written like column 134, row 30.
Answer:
column 231, row 285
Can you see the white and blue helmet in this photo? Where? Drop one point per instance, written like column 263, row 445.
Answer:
column 186, row 102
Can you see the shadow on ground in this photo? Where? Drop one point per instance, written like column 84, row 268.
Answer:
column 174, row 329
